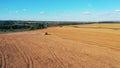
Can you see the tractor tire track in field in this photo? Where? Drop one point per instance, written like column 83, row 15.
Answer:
column 51, row 53
column 70, row 54
column 29, row 60
column 0, row 59
column 3, row 58
column 57, row 58
column 16, row 45
column 54, row 55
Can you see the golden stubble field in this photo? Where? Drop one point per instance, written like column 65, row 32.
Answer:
column 75, row 46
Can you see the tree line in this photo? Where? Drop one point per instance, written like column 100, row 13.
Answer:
column 20, row 25
column 6, row 26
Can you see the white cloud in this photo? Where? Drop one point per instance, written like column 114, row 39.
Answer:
column 16, row 11
column 24, row 9
column 89, row 5
column 13, row 12
column 117, row 10
column 86, row 13
column 42, row 12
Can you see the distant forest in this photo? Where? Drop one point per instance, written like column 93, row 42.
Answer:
column 13, row 26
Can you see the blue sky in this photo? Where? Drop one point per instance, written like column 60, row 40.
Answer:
column 60, row 10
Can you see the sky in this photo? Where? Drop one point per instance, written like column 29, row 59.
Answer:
column 60, row 10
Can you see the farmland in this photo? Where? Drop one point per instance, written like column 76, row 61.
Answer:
column 73, row 46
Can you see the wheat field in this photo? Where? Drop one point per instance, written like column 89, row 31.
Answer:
column 75, row 46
